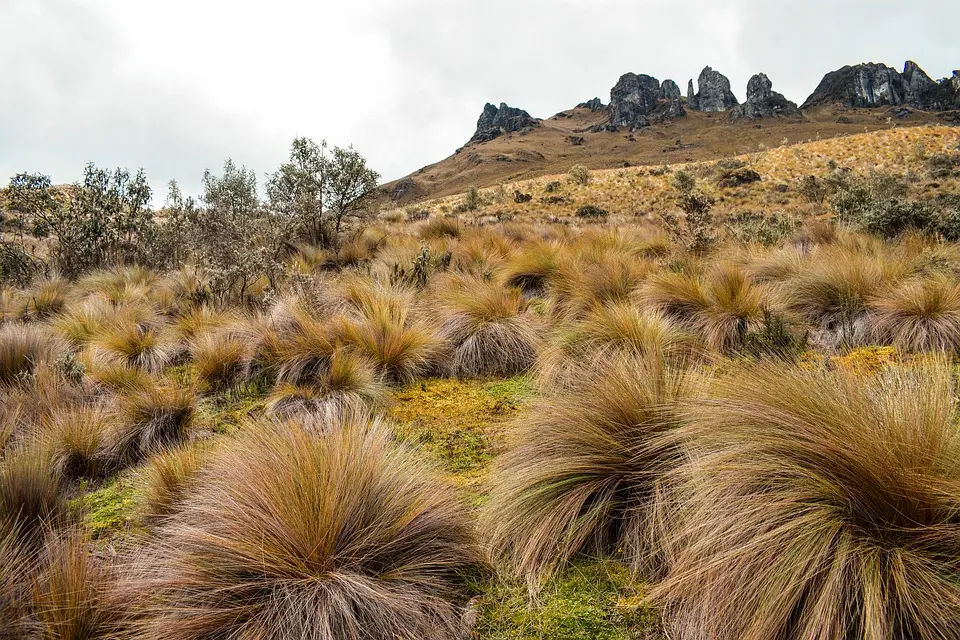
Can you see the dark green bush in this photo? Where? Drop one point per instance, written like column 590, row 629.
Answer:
column 591, row 211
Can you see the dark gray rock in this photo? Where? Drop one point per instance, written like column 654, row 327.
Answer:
column 692, row 96
column 594, row 105
column 877, row 85
column 713, row 94
column 495, row 121
column 669, row 90
column 919, row 88
column 633, row 99
column 863, row 85
column 763, row 102
column 638, row 101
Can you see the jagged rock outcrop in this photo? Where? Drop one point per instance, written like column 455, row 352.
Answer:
column 713, row 92
column 495, row 121
column 594, row 105
column 920, row 88
column 877, row 85
column 637, row 101
column 763, row 102
column 669, row 90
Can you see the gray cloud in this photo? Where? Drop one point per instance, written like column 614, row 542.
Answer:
column 177, row 87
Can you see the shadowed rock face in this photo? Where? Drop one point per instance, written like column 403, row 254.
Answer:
column 763, row 102
column 638, row 100
column 495, row 121
column 713, row 93
column 877, row 85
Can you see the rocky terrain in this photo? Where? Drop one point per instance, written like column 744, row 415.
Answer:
column 649, row 121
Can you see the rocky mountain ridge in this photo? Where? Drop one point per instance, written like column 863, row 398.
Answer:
column 639, row 100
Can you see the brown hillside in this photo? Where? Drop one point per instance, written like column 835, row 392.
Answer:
column 549, row 149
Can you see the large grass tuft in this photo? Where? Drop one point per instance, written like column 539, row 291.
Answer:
column 919, row 315
column 149, row 420
column 584, row 472
column 818, row 505
column 23, row 349
column 289, row 535
column 487, row 330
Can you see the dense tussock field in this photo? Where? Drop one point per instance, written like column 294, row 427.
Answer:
column 595, row 428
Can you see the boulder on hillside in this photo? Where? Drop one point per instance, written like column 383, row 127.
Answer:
column 593, row 105
column 669, row 90
column 713, row 93
column 763, row 102
column 637, row 101
column 495, row 121
column 877, row 85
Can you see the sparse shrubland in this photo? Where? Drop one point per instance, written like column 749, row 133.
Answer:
column 723, row 410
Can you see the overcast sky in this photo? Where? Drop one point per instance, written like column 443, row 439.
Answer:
column 177, row 86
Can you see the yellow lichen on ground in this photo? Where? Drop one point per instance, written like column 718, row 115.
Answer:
column 866, row 360
column 459, row 423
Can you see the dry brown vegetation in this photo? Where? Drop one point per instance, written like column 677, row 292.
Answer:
column 753, row 437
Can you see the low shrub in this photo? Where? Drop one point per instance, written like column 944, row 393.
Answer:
column 590, row 211
column 579, row 174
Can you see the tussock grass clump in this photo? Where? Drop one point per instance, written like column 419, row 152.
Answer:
column 818, row 505
column 150, row 420
column 74, row 440
column 299, row 352
column 168, row 477
column 17, row 566
column 721, row 307
column 609, row 276
column 80, row 323
column 400, row 350
column 618, row 328
column 348, row 383
column 919, row 315
column 24, row 349
column 832, row 292
column 141, row 345
column 533, row 268
column 289, row 535
column 487, row 330
column 46, row 298
column 583, row 475
column 202, row 319
column 32, row 497
column 440, row 227
column 222, row 358
column 73, row 597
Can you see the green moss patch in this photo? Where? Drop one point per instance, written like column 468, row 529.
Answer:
column 459, row 422
column 589, row 600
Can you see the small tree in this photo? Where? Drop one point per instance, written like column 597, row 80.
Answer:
column 320, row 193
column 234, row 239
column 472, row 199
column 29, row 198
column 695, row 229
column 352, row 188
